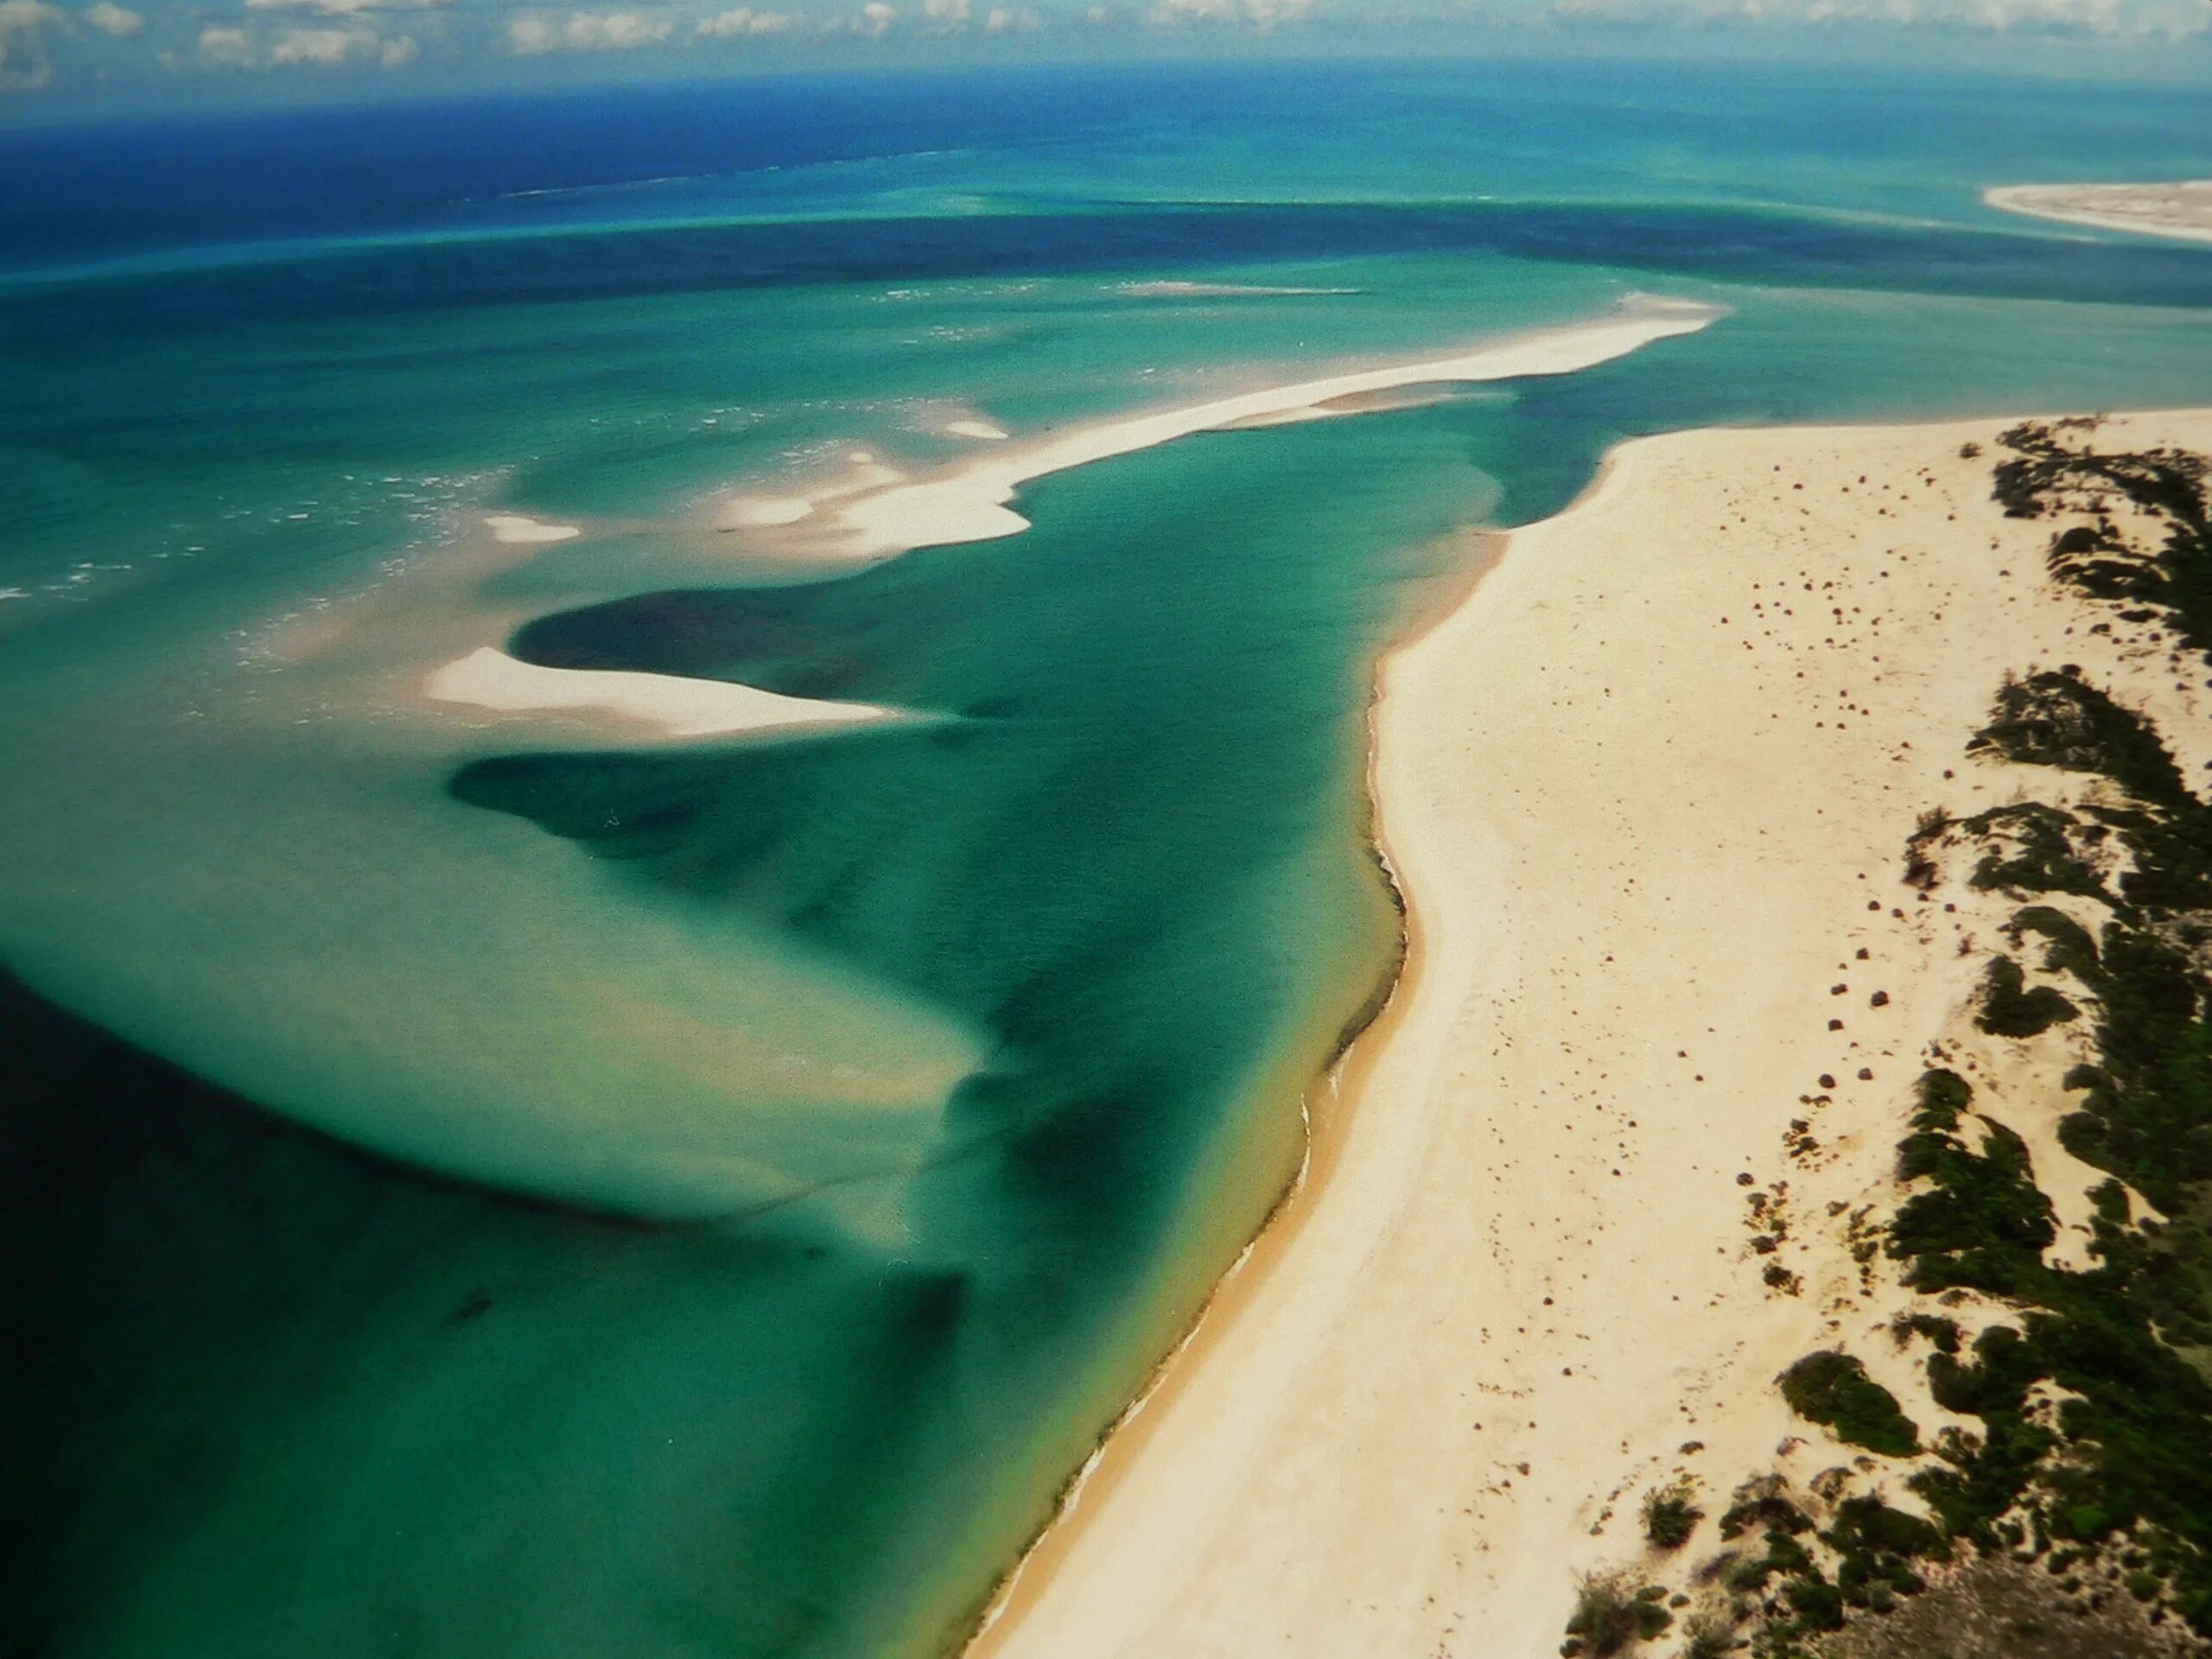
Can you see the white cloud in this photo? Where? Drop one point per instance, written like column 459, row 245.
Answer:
column 395, row 53
column 319, row 45
column 1002, row 18
column 339, row 8
column 2121, row 19
column 947, row 11
column 231, row 47
column 22, row 44
column 111, row 19
column 875, row 17
column 744, row 21
column 586, row 31
column 1263, row 15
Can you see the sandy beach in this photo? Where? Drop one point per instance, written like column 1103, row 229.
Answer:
column 1646, row 792
column 2182, row 209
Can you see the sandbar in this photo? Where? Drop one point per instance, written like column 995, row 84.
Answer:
column 872, row 513
column 674, row 704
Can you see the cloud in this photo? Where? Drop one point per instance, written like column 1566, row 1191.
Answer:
column 744, row 21
column 1002, row 18
column 947, row 11
column 318, row 45
column 22, row 42
column 531, row 32
column 1263, row 15
column 231, row 47
column 339, row 8
column 111, row 19
column 2116, row 19
column 875, row 17
column 301, row 45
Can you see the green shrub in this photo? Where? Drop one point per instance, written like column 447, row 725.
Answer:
column 1605, row 1616
column 1669, row 1518
column 2007, row 1010
column 1833, row 1388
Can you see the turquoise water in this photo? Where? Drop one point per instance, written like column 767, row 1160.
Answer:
column 509, row 1187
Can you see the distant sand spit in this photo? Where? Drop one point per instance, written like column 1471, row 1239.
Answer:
column 864, row 514
column 517, row 528
column 1645, row 792
column 676, row 705
column 2183, row 210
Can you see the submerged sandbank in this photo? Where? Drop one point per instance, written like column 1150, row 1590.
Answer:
column 2182, row 209
column 1645, row 792
column 873, row 512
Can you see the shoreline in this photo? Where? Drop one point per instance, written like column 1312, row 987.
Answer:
column 1291, row 1440
column 1328, row 1103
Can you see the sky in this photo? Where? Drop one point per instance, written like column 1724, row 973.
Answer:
column 65, row 55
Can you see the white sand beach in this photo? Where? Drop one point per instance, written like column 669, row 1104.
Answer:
column 1646, row 792
column 870, row 512
column 676, row 705
column 2182, row 209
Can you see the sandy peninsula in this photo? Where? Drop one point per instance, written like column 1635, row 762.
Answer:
column 1645, row 792
column 2182, row 209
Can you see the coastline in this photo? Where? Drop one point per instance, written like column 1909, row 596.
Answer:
column 1329, row 1464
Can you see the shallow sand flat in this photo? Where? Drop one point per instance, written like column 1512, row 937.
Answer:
column 873, row 512
column 1647, row 792
column 2182, row 209
column 680, row 707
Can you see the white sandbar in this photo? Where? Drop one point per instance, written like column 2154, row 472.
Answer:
column 677, row 705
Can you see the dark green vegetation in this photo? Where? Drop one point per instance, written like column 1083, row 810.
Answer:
column 2119, row 1466
column 1875, row 1548
column 1609, row 1616
column 2075, row 1522
column 1833, row 1389
column 1669, row 1518
column 1999, row 1607
column 2007, row 1010
column 2171, row 577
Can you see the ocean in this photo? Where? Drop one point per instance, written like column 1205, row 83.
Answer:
column 519, row 1187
